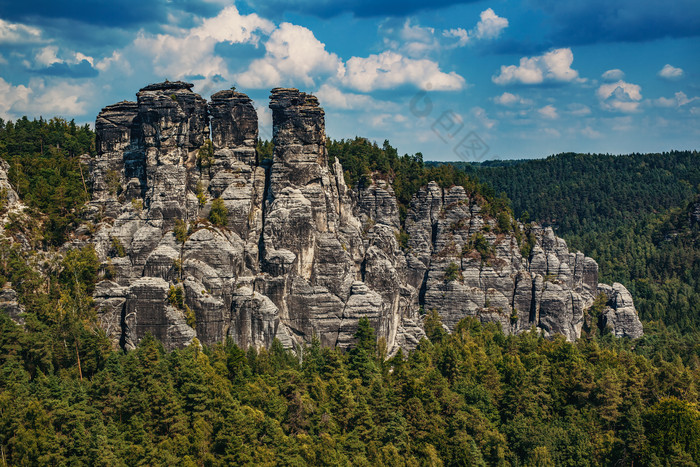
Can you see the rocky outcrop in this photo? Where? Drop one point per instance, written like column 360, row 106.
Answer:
column 620, row 316
column 301, row 254
column 10, row 305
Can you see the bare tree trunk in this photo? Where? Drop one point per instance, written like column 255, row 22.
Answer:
column 80, row 370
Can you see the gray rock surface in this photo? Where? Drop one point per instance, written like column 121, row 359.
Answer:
column 620, row 316
column 9, row 304
column 301, row 254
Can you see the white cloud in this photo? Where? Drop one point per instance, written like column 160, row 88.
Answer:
column 331, row 96
column 386, row 119
column 613, row 75
column 292, row 54
column 38, row 98
column 490, row 26
column 183, row 52
column 549, row 112
column 671, row 72
column 552, row 66
column 591, row 133
column 390, row 69
column 3, row 60
column 48, row 55
column 411, row 40
column 232, row 27
column 578, row 110
column 679, row 99
column 482, row 117
column 620, row 96
column 509, row 99
column 460, row 34
column 16, row 33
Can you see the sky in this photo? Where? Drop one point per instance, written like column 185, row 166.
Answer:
column 455, row 80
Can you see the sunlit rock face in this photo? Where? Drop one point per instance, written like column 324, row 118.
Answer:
column 300, row 254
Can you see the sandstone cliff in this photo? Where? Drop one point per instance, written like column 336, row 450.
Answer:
column 301, row 253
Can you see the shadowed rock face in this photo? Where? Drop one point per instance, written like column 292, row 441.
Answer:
column 301, row 254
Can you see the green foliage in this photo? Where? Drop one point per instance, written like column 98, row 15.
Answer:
column 528, row 244
column 218, row 215
column 45, row 169
column 504, row 222
column 452, row 272
column 473, row 397
column 3, row 199
column 117, row 247
column 482, row 246
column 432, row 323
column 180, row 231
column 113, row 181
column 264, row 150
column 176, row 296
column 190, row 317
column 201, row 196
column 402, row 239
column 137, row 204
column 205, row 155
column 362, row 159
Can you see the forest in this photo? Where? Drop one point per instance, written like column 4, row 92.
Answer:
column 473, row 397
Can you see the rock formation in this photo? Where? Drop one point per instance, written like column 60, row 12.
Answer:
column 301, row 254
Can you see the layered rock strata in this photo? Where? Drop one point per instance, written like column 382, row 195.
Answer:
column 301, row 254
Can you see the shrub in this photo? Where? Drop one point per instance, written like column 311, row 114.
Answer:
column 218, row 214
column 180, row 230
column 452, row 273
column 118, row 248
column 176, row 297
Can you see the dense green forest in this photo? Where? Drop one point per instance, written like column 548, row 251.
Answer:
column 475, row 397
column 45, row 170
column 630, row 213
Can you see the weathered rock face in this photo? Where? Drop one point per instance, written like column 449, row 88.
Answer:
column 301, row 254
column 620, row 316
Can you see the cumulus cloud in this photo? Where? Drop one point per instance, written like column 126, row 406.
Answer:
column 490, row 25
column 189, row 52
column 554, row 66
column 671, row 72
column 38, row 98
column 292, row 54
column 16, row 33
column 549, row 112
column 331, row 96
column 390, row 69
column 620, row 96
column 613, row 75
column 410, row 39
column 508, row 99
column 232, row 27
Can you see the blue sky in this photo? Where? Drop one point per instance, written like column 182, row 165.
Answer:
column 453, row 79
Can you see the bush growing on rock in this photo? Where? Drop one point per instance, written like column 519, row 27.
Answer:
column 218, row 214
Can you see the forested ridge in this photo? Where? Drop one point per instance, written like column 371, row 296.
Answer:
column 475, row 397
column 630, row 213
